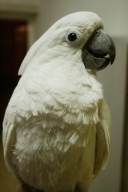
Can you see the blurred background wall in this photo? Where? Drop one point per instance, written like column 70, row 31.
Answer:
column 113, row 12
column 40, row 15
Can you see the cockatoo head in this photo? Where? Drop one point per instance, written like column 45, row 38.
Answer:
column 80, row 32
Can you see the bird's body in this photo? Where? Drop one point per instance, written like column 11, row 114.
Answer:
column 57, row 123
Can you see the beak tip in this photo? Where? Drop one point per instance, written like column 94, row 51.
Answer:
column 113, row 58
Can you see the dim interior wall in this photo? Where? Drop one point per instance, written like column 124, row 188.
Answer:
column 113, row 12
column 18, row 6
column 113, row 79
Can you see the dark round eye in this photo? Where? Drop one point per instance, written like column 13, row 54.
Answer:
column 72, row 37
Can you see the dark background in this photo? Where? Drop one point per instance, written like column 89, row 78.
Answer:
column 13, row 47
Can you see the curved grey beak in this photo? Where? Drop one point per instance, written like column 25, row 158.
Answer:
column 99, row 51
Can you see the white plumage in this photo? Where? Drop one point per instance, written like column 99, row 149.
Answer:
column 56, row 130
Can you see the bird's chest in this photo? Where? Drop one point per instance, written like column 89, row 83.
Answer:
column 58, row 140
column 54, row 150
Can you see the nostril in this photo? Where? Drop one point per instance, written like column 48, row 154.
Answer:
column 97, row 33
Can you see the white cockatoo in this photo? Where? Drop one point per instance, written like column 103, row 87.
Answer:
column 56, row 129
